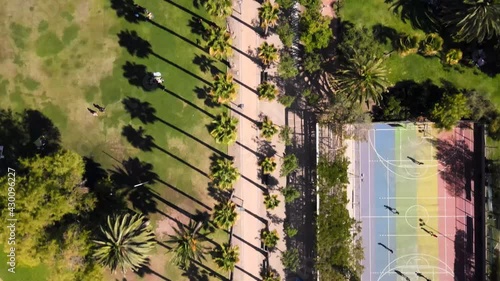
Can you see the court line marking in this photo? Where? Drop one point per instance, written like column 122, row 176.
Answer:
column 446, row 267
column 417, row 197
column 370, row 208
column 416, row 235
column 382, row 217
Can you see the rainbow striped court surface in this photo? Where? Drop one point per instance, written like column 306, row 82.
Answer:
column 413, row 193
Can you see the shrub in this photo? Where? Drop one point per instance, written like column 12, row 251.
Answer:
column 286, row 101
column 285, row 135
column 290, row 193
column 431, row 45
column 290, row 231
column 453, row 56
column 286, row 34
column 290, row 259
column 406, row 44
column 271, row 201
column 290, row 164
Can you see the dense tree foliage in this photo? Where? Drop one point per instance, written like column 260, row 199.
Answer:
column 290, row 193
column 316, row 32
column 289, row 165
column 269, row 238
column 268, row 165
column 219, row 8
column 286, row 34
column 225, row 215
column 286, row 67
column 223, row 89
column 290, row 259
column 267, row 91
column 224, row 128
column 218, row 42
column 226, row 257
column 271, row 201
column 268, row 128
column 223, row 174
column 187, row 244
column 451, row 109
column 338, row 244
column 268, row 15
column 268, row 53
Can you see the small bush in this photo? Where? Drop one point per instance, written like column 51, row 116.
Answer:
column 290, row 193
column 290, row 259
column 431, row 45
column 286, row 101
column 453, row 56
column 406, row 44
column 291, row 232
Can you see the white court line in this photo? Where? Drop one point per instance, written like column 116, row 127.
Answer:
column 370, row 210
column 415, row 235
column 388, row 221
column 418, row 197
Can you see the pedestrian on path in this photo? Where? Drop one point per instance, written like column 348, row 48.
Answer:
column 241, row 105
column 93, row 112
column 101, row 108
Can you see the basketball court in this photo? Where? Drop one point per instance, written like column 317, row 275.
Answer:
column 412, row 190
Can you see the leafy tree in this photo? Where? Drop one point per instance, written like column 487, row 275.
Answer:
column 290, row 259
column 291, row 232
column 453, row 56
column 269, row 238
column 268, row 129
column 268, row 53
column 451, row 109
column 290, row 164
column 267, row 91
column 343, row 110
column 286, row 67
column 268, row 15
column 286, row 100
column 285, row 33
column 224, row 128
column 311, row 4
column 223, row 174
column 481, row 108
column 219, row 8
column 312, row 63
column 354, row 40
column 187, row 244
column 392, row 110
column 46, row 191
column 219, row 42
column 315, row 31
column 290, row 193
column 333, row 173
column 268, row 165
column 124, row 242
column 473, row 20
column 226, row 257
column 225, row 215
column 363, row 79
column 285, row 135
column 431, row 45
column 223, row 89
column 271, row 201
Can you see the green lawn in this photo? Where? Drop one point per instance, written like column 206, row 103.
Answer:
column 415, row 67
column 60, row 58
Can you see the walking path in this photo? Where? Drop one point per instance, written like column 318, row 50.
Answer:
column 249, row 190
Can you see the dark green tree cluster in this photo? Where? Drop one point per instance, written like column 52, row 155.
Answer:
column 339, row 250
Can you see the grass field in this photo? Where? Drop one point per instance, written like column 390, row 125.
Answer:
column 60, row 57
column 415, row 67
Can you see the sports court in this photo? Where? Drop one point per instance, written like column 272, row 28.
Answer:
column 413, row 193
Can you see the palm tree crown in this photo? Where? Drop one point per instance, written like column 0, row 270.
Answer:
column 219, row 8
column 267, row 91
column 476, row 20
column 225, row 214
column 363, row 79
column 223, row 89
column 268, row 129
column 268, row 165
column 224, row 128
column 268, row 14
column 223, row 174
column 226, row 257
column 268, row 53
column 187, row 244
column 124, row 242
column 219, row 42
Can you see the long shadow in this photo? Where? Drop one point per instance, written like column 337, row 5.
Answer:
column 255, row 122
column 193, row 273
column 125, row 9
column 181, row 160
column 185, row 194
column 253, row 28
column 141, row 110
column 212, row 272
column 189, row 12
column 137, row 138
column 250, row 57
column 261, row 219
column 195, row 138
column 181, row 68
column 187, row 102
column 206, row 64
column 173, row 206
column 262, row 188
column 463, row 268
column 246, row 86
column 135, row 74
column 418, row 13
column 264, row 253
column 249, row 149
column 135, row 45
column 177, row 35
column 145, row 270
column 248, row 273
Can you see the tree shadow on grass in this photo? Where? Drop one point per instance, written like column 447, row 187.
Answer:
column 140, row 110
column 126, row 9
column 137, row 138
column 457, row 161
column 94, row 173
column 384, row 34
column 206, row 64
column 146, row 270
column 133, row 172
column 135, row 73
column 417, row 12
column 194, row 273
column 135, row 45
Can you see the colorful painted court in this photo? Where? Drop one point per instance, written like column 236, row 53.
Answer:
column 413, row 189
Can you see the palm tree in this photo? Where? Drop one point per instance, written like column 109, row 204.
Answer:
column 187, row 244
column 453, row 56
column 223, row 174
column 124, row 242
column 473, row 20
column 267, row 91
column 268, row 53
column 223, row 89
column 219, row 8
column 271, row 201
column 226, row 257
column 225, row 215
column 219, row 42
column 268, row 129
column 431, row 45
column 268, row 165
column 224, row 128
column 363, row 79
column 270, row 275
column 406, row 44
column 268, row 15
column 269, row 238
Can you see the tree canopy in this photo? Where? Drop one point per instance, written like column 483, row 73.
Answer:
column 451, row 109
column 316, row 32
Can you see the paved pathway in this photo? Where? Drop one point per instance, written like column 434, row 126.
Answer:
column 248, row 190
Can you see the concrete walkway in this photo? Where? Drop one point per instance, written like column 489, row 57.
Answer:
column 249, row 190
